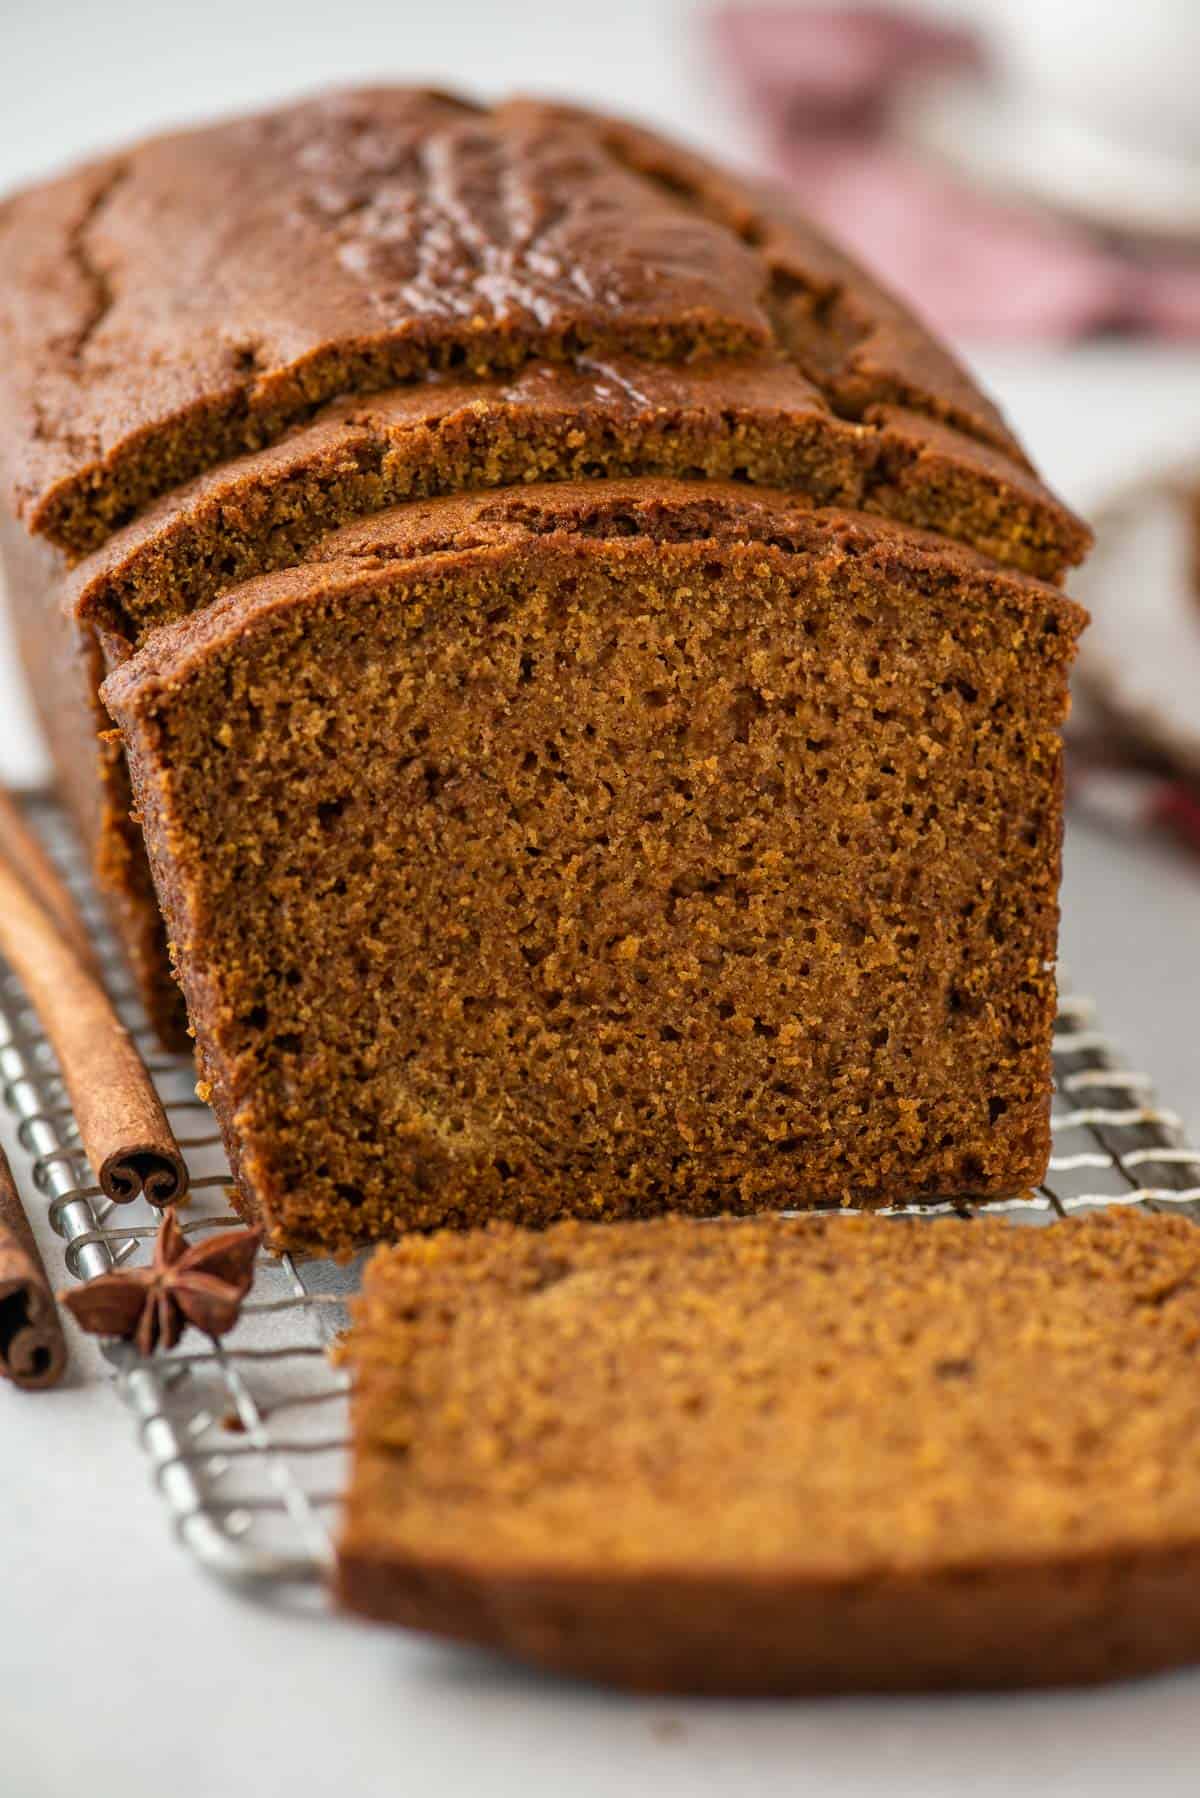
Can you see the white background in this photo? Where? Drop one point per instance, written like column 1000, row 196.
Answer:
column 121, row 1669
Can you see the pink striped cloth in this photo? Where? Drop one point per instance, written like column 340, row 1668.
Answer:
column 819, row 84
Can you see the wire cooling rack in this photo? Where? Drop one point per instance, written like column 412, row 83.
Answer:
column 246, row 1438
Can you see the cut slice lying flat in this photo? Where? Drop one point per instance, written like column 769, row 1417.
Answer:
column 781, row 1455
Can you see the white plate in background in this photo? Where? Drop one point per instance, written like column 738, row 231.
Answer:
column 1140, row 658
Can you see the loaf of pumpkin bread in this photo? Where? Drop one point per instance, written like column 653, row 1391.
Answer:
column 590, row 666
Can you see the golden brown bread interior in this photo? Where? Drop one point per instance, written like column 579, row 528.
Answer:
column 611, row 848
column 772, row 1455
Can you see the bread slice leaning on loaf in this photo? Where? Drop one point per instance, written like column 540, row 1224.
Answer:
column 672, row 818
column 612, row 847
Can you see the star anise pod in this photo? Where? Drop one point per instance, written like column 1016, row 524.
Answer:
column 203, row 1284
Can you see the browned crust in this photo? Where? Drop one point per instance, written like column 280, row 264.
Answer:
column 1056, row 1622
column 853, row 337
column 375, row 550
column 345, row 243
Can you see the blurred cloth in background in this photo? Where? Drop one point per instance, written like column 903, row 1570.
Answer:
column 825, row 89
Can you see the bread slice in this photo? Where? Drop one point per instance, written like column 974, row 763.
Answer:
column 785, row 1455
column 611, row 847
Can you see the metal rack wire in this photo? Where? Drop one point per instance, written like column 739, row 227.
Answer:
column 246, row 1438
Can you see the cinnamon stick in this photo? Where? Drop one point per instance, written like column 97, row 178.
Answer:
column 121, row 1121
column 33, row 1352
column 23, row 850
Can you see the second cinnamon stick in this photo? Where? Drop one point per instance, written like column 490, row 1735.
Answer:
column 33, row 1351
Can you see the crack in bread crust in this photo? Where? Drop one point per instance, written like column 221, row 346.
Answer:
column 430, row 238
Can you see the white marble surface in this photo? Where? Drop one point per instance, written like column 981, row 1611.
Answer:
column 124, row 1670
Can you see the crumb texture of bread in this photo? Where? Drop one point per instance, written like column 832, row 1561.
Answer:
column 786, row 1455
column 611, row 848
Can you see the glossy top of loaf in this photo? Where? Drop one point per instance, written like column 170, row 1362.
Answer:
column 192, row 299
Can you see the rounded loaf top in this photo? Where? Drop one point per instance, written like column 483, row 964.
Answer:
column 193, row 298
